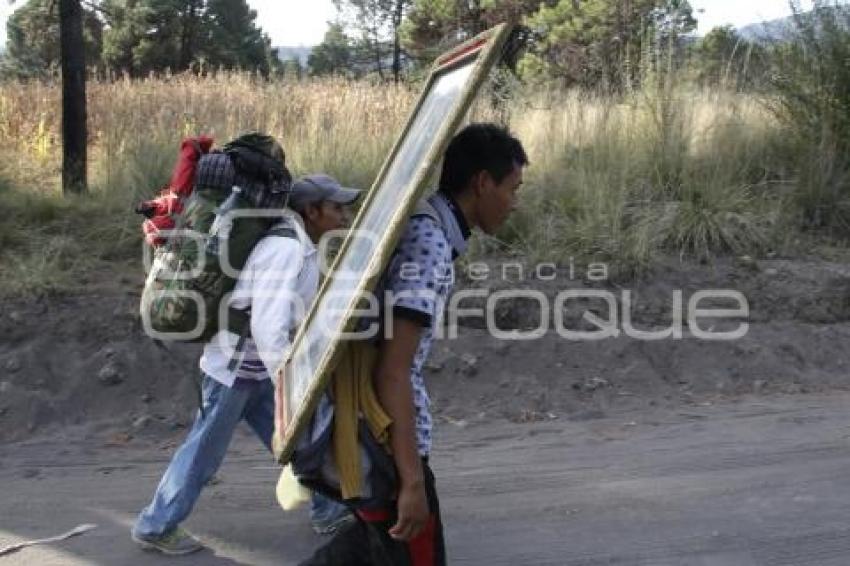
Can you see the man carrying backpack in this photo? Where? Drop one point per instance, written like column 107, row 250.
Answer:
column 276, row 286
column 481, row 173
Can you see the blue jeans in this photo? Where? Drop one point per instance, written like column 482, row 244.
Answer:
column 201, row 454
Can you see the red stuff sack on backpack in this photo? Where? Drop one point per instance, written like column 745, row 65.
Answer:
column 159, row 212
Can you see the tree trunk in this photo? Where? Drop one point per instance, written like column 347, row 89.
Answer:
column 376, row 50
column 397, row 17
column 187, row 35
column 74, row 135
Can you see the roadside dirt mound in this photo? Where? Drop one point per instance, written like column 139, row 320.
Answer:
column 83, row 359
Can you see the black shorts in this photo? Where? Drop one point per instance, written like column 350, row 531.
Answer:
column 366, row 542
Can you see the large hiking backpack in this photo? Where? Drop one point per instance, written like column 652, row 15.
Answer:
column 236, row 196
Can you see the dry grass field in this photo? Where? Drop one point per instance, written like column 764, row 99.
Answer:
column 669, row 169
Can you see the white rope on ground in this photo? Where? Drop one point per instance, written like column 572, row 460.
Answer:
column 76, row 531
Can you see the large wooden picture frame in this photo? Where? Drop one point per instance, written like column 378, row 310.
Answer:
column 452, row 84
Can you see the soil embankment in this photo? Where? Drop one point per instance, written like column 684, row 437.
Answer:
column 83, row 359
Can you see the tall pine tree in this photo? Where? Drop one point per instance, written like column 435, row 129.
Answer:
column 32, row 39
column 146, row 36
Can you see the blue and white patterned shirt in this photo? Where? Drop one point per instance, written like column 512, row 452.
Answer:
column 419, row 278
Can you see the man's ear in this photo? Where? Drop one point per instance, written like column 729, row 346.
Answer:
column 480, row 182
column 311, row 212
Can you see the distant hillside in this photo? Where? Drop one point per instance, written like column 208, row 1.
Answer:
column 782, row 29
column 301, row 53
column 773, row 30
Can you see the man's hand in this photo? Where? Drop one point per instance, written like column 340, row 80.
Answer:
column 413, row 512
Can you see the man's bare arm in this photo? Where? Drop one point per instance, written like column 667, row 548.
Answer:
column 392, row 382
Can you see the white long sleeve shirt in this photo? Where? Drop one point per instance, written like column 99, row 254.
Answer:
column 279, row 281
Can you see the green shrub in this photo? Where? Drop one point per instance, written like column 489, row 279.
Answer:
column 810, row 92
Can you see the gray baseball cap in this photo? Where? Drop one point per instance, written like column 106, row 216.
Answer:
column 318, row 187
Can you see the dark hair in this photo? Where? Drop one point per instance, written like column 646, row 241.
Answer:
column 476, row 148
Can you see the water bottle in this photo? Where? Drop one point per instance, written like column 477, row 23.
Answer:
column 220, row 229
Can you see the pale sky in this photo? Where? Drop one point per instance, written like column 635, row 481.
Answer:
column 294, row 22
column 740, row 12
column 300, row 22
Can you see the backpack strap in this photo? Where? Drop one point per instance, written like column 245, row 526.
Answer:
column 441, row 214
column 283, row 232
column 425, row 208
column 239, row 320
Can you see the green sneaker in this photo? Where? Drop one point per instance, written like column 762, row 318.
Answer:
column 177, row 542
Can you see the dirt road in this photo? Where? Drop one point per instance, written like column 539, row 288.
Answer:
column 754, row 482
